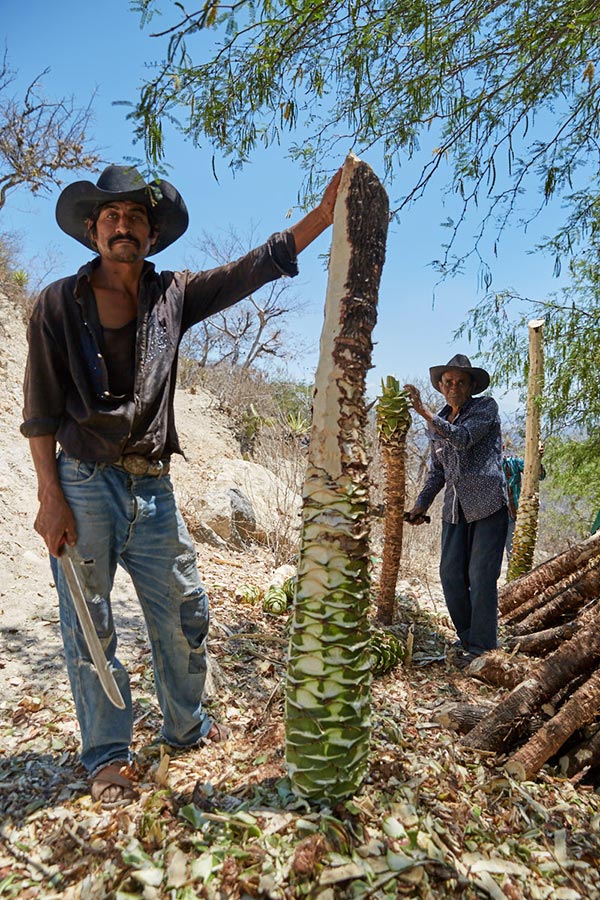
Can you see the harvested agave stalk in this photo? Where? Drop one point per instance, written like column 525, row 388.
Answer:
column 526, row 526
column 329, row 668
column 393, row 422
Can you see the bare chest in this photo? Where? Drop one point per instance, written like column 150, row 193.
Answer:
column 115, row 308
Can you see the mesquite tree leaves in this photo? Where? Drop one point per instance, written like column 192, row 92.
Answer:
column 508, row 91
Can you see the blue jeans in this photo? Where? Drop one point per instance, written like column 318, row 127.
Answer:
column 134, row 522
column 470, row 566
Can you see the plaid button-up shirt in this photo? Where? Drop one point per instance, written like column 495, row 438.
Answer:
column 466, row 457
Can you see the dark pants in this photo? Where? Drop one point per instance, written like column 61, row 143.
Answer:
column 469, row 569
column 509, row 536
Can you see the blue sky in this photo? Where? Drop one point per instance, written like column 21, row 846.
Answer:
column 100, row 48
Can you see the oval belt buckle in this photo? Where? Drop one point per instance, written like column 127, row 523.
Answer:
column 135, row 464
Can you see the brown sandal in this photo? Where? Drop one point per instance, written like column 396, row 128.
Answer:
column 113, row 785
column 217, row 734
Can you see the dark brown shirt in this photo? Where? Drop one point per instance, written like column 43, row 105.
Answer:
column 67, row 391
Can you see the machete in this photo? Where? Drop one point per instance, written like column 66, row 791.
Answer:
column 71, row 560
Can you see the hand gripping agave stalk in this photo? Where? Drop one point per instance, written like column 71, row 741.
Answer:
column 526, row 526
column 393, row 422
column 329, row 669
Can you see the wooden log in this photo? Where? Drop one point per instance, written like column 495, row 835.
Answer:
column 564, row 606
column 541, row 642
column 551, row 707
column 461, row 717
column 548, row 573
column 577, row 712
column 506, row 721
column 500, row 670
column 585, row 755
column 536, row 601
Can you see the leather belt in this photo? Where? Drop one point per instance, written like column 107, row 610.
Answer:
column 138, row 465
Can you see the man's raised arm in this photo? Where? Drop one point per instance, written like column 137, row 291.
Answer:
column 318, row 219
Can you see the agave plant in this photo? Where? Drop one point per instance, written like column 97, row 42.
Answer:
column 329, row 668
column 387, row 651
column 250, row 594
column 275, row 601
column 289, row 588
column 393, row 422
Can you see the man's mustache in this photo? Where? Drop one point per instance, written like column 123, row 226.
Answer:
column 123, row 237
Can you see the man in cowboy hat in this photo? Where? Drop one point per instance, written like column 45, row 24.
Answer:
column 466, row 457
column 99, row 384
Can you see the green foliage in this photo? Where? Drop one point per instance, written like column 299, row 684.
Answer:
column 571, row 345
column 293, row 399
column 8, row 260
column 21, row 278
column 509, row 90
column 14, row 280
column 573, row 485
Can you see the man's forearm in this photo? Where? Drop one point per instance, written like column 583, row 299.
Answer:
column 310, row 227
column 43, row 453
column 55, row 521
column 319, row 218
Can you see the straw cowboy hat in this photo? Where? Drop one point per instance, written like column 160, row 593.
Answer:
column 165, row 204
column 481, row 379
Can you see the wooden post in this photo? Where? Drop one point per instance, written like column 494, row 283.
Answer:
column 521, row 559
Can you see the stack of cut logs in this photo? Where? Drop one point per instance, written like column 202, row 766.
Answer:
column 551, row 666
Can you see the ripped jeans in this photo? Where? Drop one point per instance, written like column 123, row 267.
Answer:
column 134, row 522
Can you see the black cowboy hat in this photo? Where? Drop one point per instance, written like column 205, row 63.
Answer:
column 165, row 204
column 481, row 379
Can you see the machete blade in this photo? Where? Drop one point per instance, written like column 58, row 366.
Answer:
column 70, row 561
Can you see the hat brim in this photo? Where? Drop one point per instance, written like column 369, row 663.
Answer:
column 78, row 201
column 481, row 378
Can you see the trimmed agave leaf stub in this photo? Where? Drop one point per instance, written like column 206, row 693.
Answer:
column 329, row 668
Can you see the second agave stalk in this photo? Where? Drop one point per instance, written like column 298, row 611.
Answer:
column 526, row 527
column 393, row 422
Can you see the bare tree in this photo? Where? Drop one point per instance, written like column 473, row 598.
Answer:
column 39, row 138
column 251, row 331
